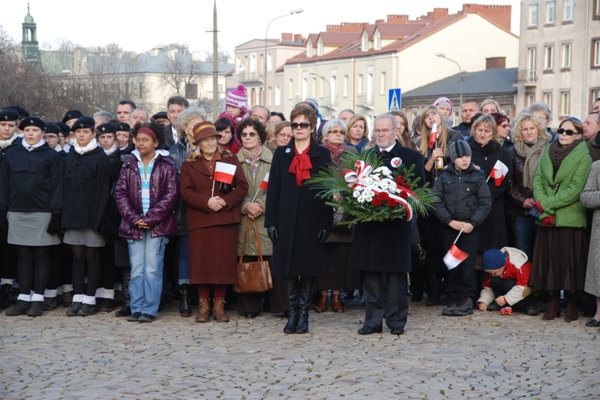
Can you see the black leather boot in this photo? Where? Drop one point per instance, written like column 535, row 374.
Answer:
column 293, row 299
column 306, row 292
column 125, row 311
column 185, row 308
column 5, row 296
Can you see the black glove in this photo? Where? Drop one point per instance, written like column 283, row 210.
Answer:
column 322, row 235
column 54, row 225
column 273, row 233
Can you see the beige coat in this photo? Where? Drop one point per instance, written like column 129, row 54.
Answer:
column 264, row 166
column 590, row 198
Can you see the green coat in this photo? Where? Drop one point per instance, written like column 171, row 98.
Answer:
column 264, row 165
column 559, row 194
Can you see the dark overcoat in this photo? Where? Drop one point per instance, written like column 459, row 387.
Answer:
column 386, row 246
column 297, row 213
column 493, row 232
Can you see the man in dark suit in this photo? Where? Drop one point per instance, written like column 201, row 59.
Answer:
column 381, row 251
column 175, row 106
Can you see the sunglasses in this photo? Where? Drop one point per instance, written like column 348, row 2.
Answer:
column 246, row 134
column 301, row 125
column 568, row 132
column 339, row 132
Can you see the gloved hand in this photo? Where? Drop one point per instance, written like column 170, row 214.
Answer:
column 548, row 221
column 54, row 225
column 322, row 235
column 273, row 233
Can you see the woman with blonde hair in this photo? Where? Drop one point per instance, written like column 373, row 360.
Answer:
column 433, row 147
column 358, row 132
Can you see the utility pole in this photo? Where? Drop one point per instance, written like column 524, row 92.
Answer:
column 215, row 102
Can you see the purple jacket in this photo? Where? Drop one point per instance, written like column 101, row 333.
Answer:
column 163, row 195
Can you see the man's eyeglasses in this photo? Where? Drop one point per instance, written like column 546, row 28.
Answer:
column 301, row 125
column 338, row 131
column 569, row 132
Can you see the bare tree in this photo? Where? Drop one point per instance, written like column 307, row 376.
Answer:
column 180, row 69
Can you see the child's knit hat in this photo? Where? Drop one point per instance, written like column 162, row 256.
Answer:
column 458, row 149
column 237, row 98
column 493, row 259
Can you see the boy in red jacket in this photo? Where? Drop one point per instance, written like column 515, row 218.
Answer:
column 505, row 283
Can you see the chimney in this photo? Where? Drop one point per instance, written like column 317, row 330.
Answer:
column 397, row 19
column 439, row 13
column 286, row 37
column 298, row 38
column 500, row 14
column 495, row 62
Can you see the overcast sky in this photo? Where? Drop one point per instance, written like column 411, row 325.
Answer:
column 139, row 26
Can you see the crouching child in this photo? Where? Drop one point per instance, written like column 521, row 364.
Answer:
column 505, row 282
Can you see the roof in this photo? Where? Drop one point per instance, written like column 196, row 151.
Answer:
column 495, row 80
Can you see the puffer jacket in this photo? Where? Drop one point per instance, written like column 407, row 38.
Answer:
column 163, row 195
column 463, row 196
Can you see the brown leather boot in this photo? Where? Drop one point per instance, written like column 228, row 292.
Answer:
column 571, row 314
column 219, row 310
column 336, row 303
column 322, row 304
column 203, row 311
column 553, row 310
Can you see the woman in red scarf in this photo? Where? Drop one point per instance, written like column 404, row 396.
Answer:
column 297, row 221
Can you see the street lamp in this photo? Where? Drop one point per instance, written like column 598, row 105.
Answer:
column 292, row 12
column 330, row 106
column 442, row 55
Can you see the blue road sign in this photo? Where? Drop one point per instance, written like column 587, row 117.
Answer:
column 394, row 99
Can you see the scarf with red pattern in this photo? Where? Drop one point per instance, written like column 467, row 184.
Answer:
column 301, row 166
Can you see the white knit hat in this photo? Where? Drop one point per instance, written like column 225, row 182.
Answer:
column 237, row 97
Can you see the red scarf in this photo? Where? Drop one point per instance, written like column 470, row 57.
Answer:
column 301, row 166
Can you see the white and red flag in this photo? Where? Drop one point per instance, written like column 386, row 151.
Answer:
column 454, row 257
column 498, row 172
column 433, row 137
column 265, row 182
column 224, row 172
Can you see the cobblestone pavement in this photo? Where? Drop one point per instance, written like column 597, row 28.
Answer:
column 481, row 356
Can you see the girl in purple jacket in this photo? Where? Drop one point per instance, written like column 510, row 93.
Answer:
column 145, row 194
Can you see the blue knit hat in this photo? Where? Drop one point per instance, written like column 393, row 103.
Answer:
column 493, row 259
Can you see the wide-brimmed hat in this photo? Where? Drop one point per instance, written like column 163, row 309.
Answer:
column 204, row 129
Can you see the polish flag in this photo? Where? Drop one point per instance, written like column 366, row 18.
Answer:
column 265, row 182
column 454, row 257
column 224, row 172
column 499, row 172
column 433, row 137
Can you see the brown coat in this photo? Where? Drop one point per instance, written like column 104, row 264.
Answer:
column 213, row 235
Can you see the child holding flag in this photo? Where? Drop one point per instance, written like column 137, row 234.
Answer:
column 214, row 211
column 463, row 203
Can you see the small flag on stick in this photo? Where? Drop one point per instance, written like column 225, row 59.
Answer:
column 265, row 182
column 224, row 172
column 455, row 256
column 498, row 173
column 433, row 137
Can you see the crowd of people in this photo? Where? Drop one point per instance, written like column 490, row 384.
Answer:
column 98, row 213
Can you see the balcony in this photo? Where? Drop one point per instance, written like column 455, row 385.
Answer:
column 527, row 77
column 365, row 101
column 249, row 78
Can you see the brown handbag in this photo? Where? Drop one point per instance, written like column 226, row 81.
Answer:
column 255, row 276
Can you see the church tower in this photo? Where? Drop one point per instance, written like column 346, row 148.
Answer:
column 31, row 50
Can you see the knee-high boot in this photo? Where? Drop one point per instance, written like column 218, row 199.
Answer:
column 185, row 308
column 307, row 286
column 571, row 314
column 293, row 300
column 125, row 311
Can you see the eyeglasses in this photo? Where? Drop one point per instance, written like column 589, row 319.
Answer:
column 569, row 132
column 301, row 125
column 283, row 134
column 338, row 131
column 378, row 131
column 250, row 134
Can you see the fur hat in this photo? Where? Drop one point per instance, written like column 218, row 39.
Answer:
column 458, row 149
column 237, row 98
column 493, row 259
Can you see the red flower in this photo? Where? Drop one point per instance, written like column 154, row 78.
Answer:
column 376, row 201
column 392, row 203
column 403, row 194
column 400, row 180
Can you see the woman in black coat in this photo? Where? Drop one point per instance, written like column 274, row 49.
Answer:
column 486, row 152
column 297, row 221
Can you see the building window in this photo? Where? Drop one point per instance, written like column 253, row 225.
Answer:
column 377, row 41
column 277, row 96
column 565, row 103
column 346, row 85
column 383, row 83
column 594, row 95
column 596, row 53
column 333, row 88
column 596, row 9
column 290, row 89
column 253, row 63
column 551, row 11
column 533, row 15
column 359, row 84
column 529, row 99
column 548, row 58
column 191, row 90
column 364, row 45
column 548, row 99
column 531, row 64
column 565, row 56
column 568, row 15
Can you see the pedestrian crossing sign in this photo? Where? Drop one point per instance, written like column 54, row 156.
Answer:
column 395, row 99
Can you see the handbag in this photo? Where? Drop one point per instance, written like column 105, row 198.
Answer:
column 254, row 276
